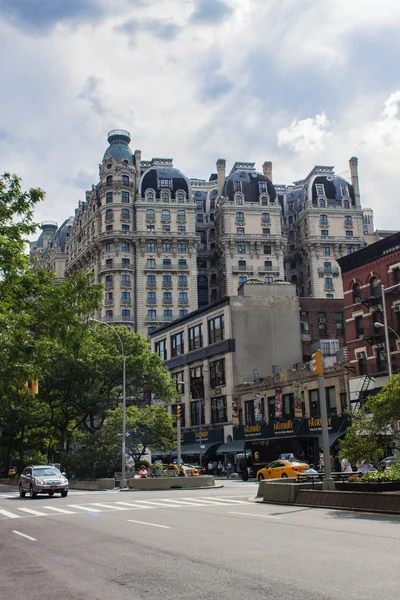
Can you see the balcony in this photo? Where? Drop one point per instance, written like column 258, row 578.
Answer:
column 167, row 301
column 183, row 285
column 265, row 221
column 328, row 271
column 329, row 287
column 348, row 225
column 126, row 284
column 150, row 218
column 183, row 302
column 242, row 268
column 151, row 285
column 109, row 217
column 108, row 302
column 323, row 223
column 151, row 301
column 240, row 221
column 167, row 284
column 114, row 266
column 268, row 269
column 108, row 285
column 126, row 301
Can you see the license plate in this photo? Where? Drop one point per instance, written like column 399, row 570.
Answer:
column 53, row 487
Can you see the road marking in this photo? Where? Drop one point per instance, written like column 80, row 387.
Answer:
column 253, row 515
column 60, row 510
column 182, row 503
column 110, row 507
column 153, row 503
column 132, row 505
column 28, row 537
column 85, row 508
column 10, row 515
column 227, row 500
column 151, row 524
column 30, row 511
column 215, row 502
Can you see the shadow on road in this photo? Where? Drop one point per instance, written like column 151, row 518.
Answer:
column 365, row 516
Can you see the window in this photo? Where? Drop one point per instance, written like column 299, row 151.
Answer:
column 396, row 275
column 165, row 183
column 249, row 412
column 151, row 262
column 265, row 218
column 150, row 228
column 180, row 198
column 325, row 232
column 237, row 186
column 150, row 330
column 109, row 313
column 268, row 279
column 329, row 296
column 109, row 197
column 240, row 230
column 314, row 403
column 331, row 406
column 124, row 227
column 323, row 220
column 109, row 227
column 161, row 349
column 348, row 220
column 327, row 267
column 125, row 213
column 125, row 180
column 151, row 280
column 195, row 417
column 182, row 248
column 264, row 200
column 266, row 231
column 165, row 215
column 167, row 280
column 182, row 280
column 350, row 250
column 304, row 325
column 288, row 406
column 126, row 278
column 150, row 214
column 339, row 323
column 195, row 337
column 109, row 247
column 241, row 248
column 322, row 203
column 109, row 180
column 109, row 214
column 219, row 410
column 177, row 344
column 346, row 204
column 183, row 312
column 216, row 329
column 150, row 197
column 268, row 265
column 322, row 325
column 240, row 217
column 183, row 297
column 320, row 189
column 125, row 196
column 326, row 251
column 166, row 263
column 182, row 263
column 242, row 264
column 217, row 373
column 199, row 217
column 109, row 262
column 151, row 247
column 126, row 296
column 167, row 297
column 349, row 234
column 125, row 247
column 181, row 215
column 179, row 382
column 166, row 247
column 365, row 229
column 181, row 229
column 374, row 286
column 359, row 324
column 267, row 250
column 239, row 200
column 328, row 282
column 151, row 298
column 356, row 293
column 242, row 279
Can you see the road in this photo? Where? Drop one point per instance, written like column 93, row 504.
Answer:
column 184, row 545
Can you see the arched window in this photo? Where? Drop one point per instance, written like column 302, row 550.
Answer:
column 150, row 214
column 374, row 286
column 165, row 215
column 125, row 213
column 125, row 180
column 290, row 220
column 200, row 218
column 109, row 179
column 150, row 197
column 264, row 200
column 356, row 293
column 180, row 198
column 180, row 215
column 165, row 197
column 109, row 214
column 322, row 203
column 239, row 200
column 346, row 204
column 239, row 217
column 211, row 216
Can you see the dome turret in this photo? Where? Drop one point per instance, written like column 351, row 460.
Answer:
column 119, row 140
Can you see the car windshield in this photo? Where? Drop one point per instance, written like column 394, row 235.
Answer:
column 47, row 472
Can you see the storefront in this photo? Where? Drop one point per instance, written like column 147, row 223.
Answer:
column 263, row 443
column 191, row 448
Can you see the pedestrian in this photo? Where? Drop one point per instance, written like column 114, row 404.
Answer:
column 228, row 469
column 219, row 468
column 210, row 468
column 182, row 472
column 337, row 465
column 345, row 466
column 143, row 472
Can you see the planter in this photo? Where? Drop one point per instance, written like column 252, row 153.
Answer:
column 364, row 486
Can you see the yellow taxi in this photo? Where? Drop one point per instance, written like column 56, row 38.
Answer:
column 174, row 469
column 281, row 469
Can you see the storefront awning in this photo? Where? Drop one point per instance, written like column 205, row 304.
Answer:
column 192, row 449
column 232, row 447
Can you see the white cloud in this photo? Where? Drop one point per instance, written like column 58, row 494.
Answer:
column 306, row 134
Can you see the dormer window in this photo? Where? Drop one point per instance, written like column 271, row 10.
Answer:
column 264, row 200
column 262, row 187
column 322, row 203
column 320, row 189
column 237, row 186
column 165, row 197
column 239, row 199
column 180, row 198
column 150, row 197
column 344, row 191
column 346, row 204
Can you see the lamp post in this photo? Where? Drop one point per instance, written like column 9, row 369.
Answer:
column 122, row 483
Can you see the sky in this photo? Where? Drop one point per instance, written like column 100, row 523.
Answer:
column 297, row 82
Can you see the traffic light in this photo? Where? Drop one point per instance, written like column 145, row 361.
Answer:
column 35, row 387
column 317, row 364
column 178, row 413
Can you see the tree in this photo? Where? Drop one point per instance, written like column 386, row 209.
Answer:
column 371, row 429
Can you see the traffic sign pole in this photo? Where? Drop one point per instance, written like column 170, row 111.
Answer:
column 328, row 483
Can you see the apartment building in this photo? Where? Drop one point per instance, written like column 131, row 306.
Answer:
column 363, row 275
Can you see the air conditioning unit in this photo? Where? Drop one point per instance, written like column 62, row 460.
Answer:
column 322, row 320
column 396, row 308
column 303, row 312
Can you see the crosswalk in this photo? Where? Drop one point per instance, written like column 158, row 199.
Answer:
column 92, row 508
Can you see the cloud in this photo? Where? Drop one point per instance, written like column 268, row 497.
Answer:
column 156, row 27
column 306, row 134
column 41, row 15
column 210, row 11
column 384, row 133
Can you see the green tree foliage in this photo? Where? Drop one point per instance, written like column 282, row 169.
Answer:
column 371, row 428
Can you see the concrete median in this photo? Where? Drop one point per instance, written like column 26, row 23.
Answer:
column 171, row 483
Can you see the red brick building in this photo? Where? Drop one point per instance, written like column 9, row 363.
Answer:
column 363, row 274
column 320, row 320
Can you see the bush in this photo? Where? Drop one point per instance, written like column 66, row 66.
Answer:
column 142, row 463
column 390, row 474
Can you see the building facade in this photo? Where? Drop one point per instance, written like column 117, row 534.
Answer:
column 322, row 326
column 363, row 275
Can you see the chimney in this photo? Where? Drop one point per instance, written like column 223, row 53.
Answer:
column 138, row 156
column 267, row 169
column 221, row 165
column 353, row 162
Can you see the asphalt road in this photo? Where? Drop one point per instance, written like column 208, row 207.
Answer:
column 202, row 544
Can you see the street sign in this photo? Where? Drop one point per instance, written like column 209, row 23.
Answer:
column 202, row 446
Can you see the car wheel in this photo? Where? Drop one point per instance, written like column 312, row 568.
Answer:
column 21, row 492
column 284, row 476
column 261, row 477
column 64, row 493
column 32, row 494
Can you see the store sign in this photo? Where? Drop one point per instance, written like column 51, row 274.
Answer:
column 204, row 436
column 283, row 428
column 252, row 430
column 315, row 424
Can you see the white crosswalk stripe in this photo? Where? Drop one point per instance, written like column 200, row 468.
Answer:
column 19, row 511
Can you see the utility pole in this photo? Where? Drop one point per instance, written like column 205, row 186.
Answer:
column 178, row 434
column 317, row 367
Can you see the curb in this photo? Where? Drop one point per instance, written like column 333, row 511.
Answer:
column 214, row 487
column 343, row 508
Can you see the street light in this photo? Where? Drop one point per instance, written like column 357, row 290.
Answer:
column 377, row 324
column 122, row 483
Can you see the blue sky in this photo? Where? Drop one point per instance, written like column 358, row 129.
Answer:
column 298, row 82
